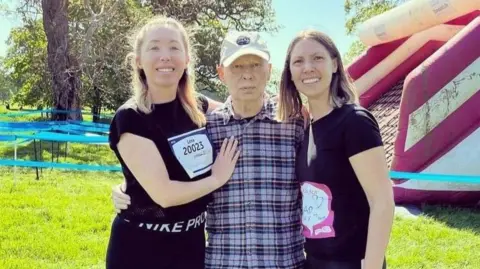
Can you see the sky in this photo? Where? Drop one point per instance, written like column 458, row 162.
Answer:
column 327, row 16
column 6, row 24
column 293, row 15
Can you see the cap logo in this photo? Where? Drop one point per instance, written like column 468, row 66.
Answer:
column 243, row 40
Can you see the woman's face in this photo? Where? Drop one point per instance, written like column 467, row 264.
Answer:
column 163, row 57
column 312, row 68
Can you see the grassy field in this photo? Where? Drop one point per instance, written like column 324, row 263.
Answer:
column 63, row 219
column 86, row 113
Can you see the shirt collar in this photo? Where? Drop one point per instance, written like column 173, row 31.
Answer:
column 267, row 111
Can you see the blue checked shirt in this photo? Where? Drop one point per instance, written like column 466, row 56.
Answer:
column 254, row 220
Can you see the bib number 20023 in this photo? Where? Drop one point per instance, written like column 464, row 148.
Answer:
column 197, row 146
column 194, row 151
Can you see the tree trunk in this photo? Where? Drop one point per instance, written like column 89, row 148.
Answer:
column 97, row 104
column 95, row 112
column 62, row 66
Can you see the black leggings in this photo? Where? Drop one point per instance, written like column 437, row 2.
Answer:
column 313, row 263
column 133, row 247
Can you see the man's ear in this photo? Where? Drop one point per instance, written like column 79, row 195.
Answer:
column 269, row 71
column 137, row 61
column 221, row 72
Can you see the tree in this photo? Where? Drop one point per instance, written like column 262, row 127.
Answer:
column 357, row 12
column 356, row 48
column 7, row 87
column 62, row 65
column 273, row 85
column 26, row 64
column 100, row 38
column 93, row 38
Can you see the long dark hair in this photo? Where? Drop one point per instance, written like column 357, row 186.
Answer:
column 341, row 91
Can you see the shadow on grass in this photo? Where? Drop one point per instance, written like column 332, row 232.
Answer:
column 456, row 217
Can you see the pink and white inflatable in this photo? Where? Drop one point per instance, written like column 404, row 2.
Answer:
column 435, row 52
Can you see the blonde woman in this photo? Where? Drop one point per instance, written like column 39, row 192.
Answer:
column 167, row 159
column 347, row 196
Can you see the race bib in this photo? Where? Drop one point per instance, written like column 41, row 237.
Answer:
column 194, row 151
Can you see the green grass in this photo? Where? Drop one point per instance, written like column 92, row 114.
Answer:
column 63, row 219
column 60, row 221
column 442, row 238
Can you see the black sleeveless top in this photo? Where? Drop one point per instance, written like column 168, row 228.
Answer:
column 166, row 120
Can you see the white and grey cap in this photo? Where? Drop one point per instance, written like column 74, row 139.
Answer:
column 238, row 44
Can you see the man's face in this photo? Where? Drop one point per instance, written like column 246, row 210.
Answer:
column 246, row 78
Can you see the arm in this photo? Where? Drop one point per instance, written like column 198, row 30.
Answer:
column 149, row 169
column 372, row 172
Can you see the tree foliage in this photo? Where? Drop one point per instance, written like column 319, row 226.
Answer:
column 274, row 83
column 358, row 11
column 98, row 40
column 7, row 87
column 101, row 32
column 356, row 48
column 26, row 62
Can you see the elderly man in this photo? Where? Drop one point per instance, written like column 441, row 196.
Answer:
column 254, row 220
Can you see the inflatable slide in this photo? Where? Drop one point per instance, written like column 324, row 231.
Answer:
column 421, row 79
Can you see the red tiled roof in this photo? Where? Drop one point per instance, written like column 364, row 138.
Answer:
column 387, row 112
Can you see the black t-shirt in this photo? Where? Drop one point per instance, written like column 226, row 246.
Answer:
column 335, row 208
column 165, row 121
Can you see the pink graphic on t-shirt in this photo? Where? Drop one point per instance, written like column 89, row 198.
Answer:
column 317, row 215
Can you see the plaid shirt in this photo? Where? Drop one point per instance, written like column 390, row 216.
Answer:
column 254, row 220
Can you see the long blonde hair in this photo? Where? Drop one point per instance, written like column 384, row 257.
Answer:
column 186, row 86
column 342, row 90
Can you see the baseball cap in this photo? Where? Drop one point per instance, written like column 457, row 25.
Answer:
column 238, row 44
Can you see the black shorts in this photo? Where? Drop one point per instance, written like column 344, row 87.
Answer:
column 313, row 263
column 134, row 247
